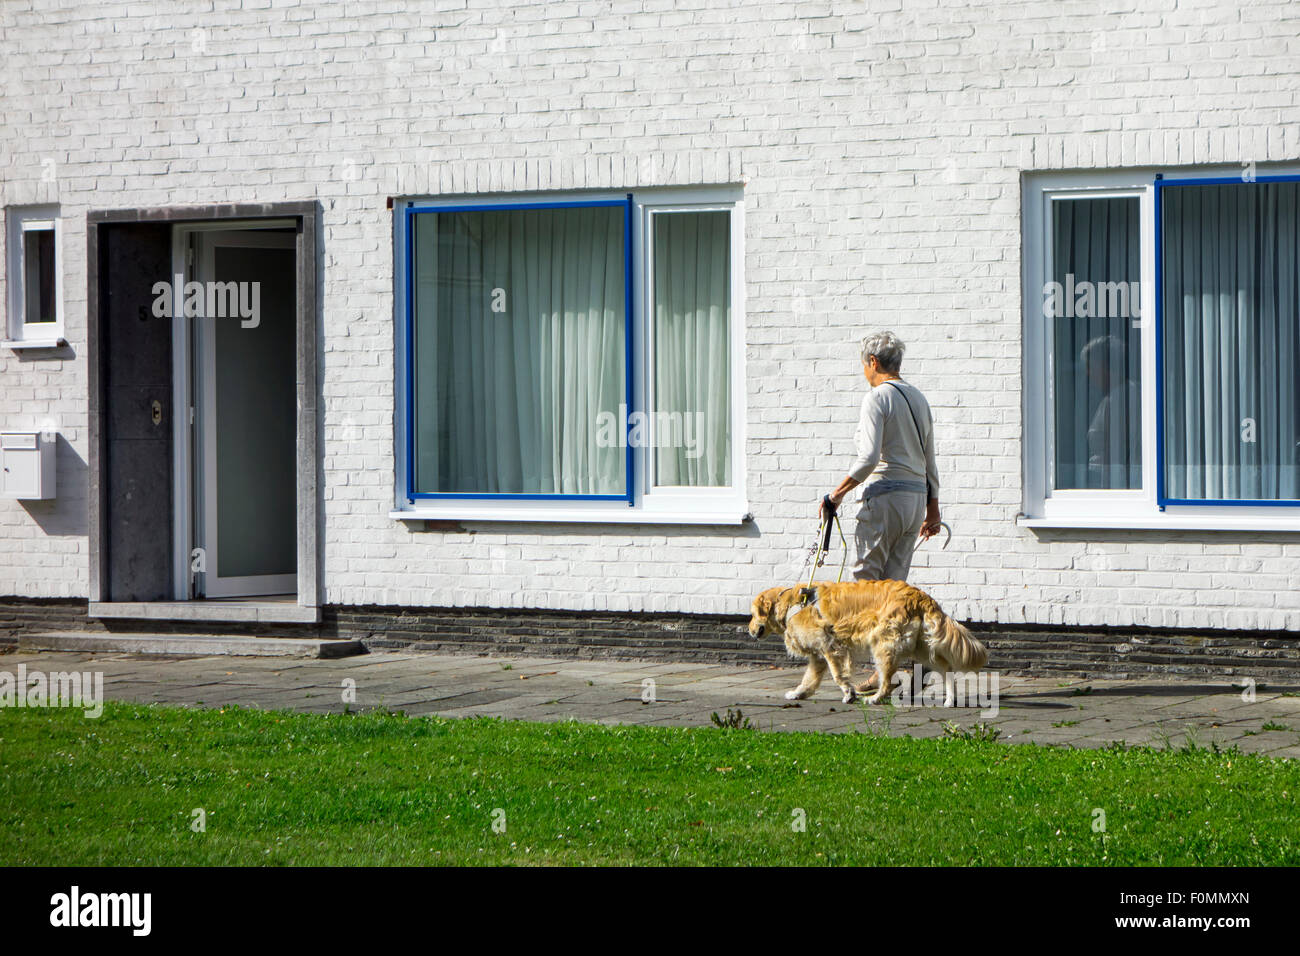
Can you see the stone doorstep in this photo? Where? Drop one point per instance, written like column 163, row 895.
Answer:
column 187, row 645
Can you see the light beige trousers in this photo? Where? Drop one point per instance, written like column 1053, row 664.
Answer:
column 886, row 535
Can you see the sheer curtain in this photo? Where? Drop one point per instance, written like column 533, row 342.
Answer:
column 692, row 348
column 1096, row 344
column 519, row 351
column 1230, row 267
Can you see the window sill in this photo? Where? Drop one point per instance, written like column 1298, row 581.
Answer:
column 1280, row 523
column 571, row 516
column 19, row 344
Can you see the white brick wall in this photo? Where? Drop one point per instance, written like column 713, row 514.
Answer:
column 883, row 143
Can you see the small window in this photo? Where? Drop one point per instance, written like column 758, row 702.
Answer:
column 1092, row 307
column 35, row 309
column 38, row 273
column 691, row 312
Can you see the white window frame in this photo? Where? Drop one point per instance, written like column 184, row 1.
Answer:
column 650, row 505
column 20, row 333
column 1043, row 506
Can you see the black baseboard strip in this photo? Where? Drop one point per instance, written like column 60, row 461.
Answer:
column 1026, row 649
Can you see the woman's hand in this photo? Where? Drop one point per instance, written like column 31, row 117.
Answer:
column 837, row 496
column 931, row 526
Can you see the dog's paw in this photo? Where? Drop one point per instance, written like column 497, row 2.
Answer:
column 795, row 694
column 876, row 698
column 850, row 696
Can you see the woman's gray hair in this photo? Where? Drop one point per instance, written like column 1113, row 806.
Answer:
column 888, row 349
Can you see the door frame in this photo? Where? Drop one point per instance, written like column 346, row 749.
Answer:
column 305, row 218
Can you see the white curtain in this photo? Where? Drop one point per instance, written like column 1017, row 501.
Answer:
column 1231, row 273
column 519, row 351
column 1096, row 343
column 692, row 352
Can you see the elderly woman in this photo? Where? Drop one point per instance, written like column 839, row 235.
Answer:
column 895, row 445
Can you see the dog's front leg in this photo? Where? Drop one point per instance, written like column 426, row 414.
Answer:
column 812, row 678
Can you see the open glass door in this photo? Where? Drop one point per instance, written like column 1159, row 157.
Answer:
column 245, row 410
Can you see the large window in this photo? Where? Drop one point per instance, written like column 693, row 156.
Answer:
column 1230, row 337
column 571, row 358
column 1162, row 348
column 518, row 334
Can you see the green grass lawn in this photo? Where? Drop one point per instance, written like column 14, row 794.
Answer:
column 375, row 788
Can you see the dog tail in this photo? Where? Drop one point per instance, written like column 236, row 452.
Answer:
column 954, row 643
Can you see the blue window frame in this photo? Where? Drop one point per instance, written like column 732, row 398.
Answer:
column 459, row 412
column 1227, row 338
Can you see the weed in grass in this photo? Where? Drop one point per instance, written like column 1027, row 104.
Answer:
column 507, row 667
column 1192, row 744
column 1081, row 691
column 1065, row 723
column 735, row 720
column 887, row 713
column 979, row 733
column 1274, row 725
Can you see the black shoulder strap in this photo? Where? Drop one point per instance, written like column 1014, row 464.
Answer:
column 920, row 435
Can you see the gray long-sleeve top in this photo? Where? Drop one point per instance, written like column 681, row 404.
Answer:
column 887, row 441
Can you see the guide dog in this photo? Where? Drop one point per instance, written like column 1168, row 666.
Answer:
column 832, row 625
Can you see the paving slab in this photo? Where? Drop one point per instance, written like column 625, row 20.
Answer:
column 1047, row 711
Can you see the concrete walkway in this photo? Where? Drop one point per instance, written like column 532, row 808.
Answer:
column 1068, row 712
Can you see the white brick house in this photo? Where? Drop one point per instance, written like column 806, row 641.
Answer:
column 878, row 164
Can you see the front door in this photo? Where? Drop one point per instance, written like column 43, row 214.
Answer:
column 244, row 452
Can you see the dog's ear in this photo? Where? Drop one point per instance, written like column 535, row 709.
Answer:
column 784, row 598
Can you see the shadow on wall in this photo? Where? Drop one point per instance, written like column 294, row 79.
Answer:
column 59, row 516
column 1158, row 536
column 632, row 531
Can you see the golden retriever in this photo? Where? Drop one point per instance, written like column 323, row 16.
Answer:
column 833, row 624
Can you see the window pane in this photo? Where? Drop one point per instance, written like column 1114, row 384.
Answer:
column 518, row 349
column 1092, row 306
column 38, row 275
column 692, row 353
column 1230, row 265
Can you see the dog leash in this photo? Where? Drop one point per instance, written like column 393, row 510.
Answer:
column 944, row 526
column 829, row 511
column 818, row 553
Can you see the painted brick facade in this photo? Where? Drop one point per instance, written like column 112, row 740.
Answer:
column 881, row 145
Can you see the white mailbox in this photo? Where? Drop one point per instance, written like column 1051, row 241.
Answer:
column 27, row 460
